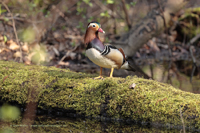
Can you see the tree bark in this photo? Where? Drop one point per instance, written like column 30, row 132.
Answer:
column 152, row 25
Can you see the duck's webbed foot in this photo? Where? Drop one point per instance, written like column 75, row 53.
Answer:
column 99, row 77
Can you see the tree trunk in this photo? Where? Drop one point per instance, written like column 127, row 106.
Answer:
column 152, row 25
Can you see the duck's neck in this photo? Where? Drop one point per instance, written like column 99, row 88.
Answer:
column 90, row 35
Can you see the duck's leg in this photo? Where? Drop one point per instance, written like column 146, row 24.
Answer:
column 111, row 72
column 99, row 77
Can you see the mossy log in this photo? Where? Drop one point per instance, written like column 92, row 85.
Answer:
column 149, row 101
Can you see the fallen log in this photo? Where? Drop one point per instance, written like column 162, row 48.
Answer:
column 125, row 99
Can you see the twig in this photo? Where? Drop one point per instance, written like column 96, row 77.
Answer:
column 194, row 63
column 160, row 100
column 126, row 14
column 193, row 70
column 175, row 70
column 14, row 28
column 68, row 52
column 168, row 69
column 151, row 69
column 16, row 18
column 194, row 39
column 114, row 19
column 161, row 10
column 22, row 19
column 163, row 75
column 182, row 120
column 167, row 39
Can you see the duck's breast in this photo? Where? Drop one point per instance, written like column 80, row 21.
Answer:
column 96, row 57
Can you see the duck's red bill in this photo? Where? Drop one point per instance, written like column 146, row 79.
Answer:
column 100, row 30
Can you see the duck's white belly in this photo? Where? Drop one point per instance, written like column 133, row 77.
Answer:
column 100, row 60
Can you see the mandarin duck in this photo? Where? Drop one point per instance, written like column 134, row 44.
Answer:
column 105, row 56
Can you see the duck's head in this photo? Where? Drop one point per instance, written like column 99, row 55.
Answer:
column 94, row 27
column 92, row 31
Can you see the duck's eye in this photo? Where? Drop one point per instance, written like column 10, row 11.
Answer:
column 93, row 25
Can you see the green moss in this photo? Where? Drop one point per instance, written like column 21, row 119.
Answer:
column 52, row 87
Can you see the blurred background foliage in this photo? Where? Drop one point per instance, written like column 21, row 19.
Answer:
column 9, row 113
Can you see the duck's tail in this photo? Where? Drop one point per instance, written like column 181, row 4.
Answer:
column 127, row 66
column 131, row 66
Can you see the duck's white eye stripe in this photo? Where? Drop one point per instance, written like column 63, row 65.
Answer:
column 92, row 24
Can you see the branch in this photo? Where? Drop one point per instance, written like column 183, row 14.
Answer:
column 126, row 14
column 14, row 28
column 67, row 54
column 149, row 27
column 193, row 40
column 194, row 62
column 167, row 40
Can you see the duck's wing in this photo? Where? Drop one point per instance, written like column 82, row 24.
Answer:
column 122, row 51
column 114, row 54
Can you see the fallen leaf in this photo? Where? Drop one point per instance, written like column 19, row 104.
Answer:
column 63, row 63
column 5, row 38
column 12, row 45
column 27, row 60
column 25, row 47
column 17, row 54
column 1, row 38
